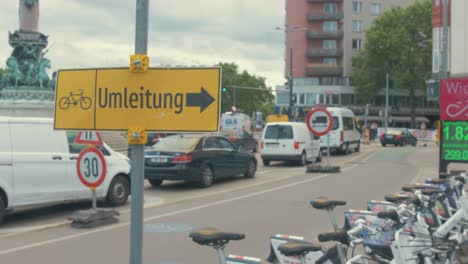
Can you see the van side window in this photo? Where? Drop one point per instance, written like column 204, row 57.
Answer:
column 336, row 123
column 77, row 148
column 348, row 123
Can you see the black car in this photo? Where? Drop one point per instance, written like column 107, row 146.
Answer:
column 197, row 158
column 398, row 138
column 242, row 139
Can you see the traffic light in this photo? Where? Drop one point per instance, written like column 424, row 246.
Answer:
column 224, row 89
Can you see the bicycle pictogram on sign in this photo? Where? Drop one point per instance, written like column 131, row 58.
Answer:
column 74, row 99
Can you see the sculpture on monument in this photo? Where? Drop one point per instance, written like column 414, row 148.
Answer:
column 27, row 76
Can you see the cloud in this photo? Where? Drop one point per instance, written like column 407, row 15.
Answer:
column 90, row 33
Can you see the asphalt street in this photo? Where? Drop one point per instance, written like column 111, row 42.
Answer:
column 276, row 201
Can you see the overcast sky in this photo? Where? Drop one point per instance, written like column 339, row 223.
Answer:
column 100, row 33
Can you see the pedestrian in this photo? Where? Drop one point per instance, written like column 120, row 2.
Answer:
column 374, row 127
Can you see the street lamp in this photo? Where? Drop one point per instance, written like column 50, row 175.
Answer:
column 290, row 78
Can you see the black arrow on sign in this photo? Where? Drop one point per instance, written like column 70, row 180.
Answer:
column 202, row 99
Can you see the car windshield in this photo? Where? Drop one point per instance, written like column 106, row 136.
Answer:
column 176, row 144
column 279, row 132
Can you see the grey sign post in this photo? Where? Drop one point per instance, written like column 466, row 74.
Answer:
column 136, row 225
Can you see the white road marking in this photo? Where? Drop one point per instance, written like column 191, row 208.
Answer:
column 52, row 241
column 157, row 201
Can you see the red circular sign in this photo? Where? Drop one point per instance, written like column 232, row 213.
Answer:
column 319, row 116
column 91, row 167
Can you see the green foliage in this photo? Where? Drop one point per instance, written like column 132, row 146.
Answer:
column 398, row 43
column 246, row 100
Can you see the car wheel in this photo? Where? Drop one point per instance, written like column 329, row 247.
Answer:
column 319, row 157
column 266, row 162
column 358, row 148
column 251, row 169
column 207, row 176
column 303, row 160
column 2, row 209
column 119, row 190
column 155, row 182
column 345, row 149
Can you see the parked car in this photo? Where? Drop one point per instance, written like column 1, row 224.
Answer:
column 41, row 169
column 344, row 135
column 398, row 138
column 289, row 141
column 152, row 139
column 197, row 158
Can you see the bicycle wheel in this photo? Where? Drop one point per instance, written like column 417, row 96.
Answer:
column 64, row 103
column 85, row 103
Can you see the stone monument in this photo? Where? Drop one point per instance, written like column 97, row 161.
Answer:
column 26, row 85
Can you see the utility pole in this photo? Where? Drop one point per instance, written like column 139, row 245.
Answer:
column 386, row 102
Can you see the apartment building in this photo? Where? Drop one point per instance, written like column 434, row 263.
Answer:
column 323, row 36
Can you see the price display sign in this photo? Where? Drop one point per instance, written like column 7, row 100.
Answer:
column 455, row 141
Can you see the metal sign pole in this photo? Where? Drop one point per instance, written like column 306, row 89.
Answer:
column 136, row 225
column 93, row 191
column 328, row 150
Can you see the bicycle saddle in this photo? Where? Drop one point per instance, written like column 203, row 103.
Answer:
column 440, row 181
column 431, row 191
column 298, row 248
column 412, row 187
column 213, row 237
column 397, row 198
column 324, row 203
column 390, row 214
column 340, row 236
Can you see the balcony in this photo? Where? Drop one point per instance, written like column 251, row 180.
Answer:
column 322, row 69
column 325, row 1
column 316, row 53
column 314, row 16
column 325, row 35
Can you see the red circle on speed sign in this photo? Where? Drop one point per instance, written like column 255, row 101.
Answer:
column 319, row 121
column 91, row 167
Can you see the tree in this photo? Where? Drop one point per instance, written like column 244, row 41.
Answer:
column 398, row 43
column 247, row 100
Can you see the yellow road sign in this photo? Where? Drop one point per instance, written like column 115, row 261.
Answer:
column 162, row 99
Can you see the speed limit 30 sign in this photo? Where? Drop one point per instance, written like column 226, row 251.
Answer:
column 91, row 167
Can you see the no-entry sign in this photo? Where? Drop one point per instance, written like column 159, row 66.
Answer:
column 91, row 167
column 319, row 121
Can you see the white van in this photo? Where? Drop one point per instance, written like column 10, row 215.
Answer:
column 237, row 127
column 289, row 141
column 38, row 167
column 344, row 136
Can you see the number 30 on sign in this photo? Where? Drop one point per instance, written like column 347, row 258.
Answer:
column 91, row 167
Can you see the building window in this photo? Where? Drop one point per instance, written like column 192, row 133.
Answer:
column 329, row 61
column 330, row 26
column 301, row 99
column 376, row 9
column 311, row 99
column 357, row 25
column 436, row 2
column 357, row 44
column 330, row 8
column 329, row 44
column 357, row 7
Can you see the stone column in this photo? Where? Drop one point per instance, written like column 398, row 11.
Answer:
column 29, row 15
